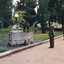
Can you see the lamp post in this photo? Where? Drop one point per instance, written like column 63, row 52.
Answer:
column 16, row 19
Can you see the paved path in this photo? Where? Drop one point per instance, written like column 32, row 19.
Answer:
column 41, row 54
column 4, row 45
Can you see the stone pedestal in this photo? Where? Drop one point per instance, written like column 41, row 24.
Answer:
column 17, row 37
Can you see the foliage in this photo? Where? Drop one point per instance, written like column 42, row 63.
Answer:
column 54, row 6
column 62, row 12
column 57, row 25
column 21, row 16
column 42, row 13
column 28, row 6
column 5, row 12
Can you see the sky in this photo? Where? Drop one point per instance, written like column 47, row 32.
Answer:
column 15, row 2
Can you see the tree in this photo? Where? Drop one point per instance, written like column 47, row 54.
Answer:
column 41, row 14
column 5, row 12
column 62, row 16
column 62, row 13
column 21, row 16
column 54, row 6
column 28, row 6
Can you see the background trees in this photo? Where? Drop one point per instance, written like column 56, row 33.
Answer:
column 47, row 9
column 42, row 14
column 5, row 12
column 28, row 6
column 54, row 6
column 62, row 13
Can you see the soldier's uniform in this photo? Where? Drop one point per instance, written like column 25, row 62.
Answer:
column 51, row 34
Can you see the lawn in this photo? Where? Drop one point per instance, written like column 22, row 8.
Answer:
column 2, row 50
column 40, row 36
column 4, row 35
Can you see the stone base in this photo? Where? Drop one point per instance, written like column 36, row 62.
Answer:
column 18, row 37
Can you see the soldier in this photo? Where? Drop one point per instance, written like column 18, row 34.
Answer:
column 51, row 33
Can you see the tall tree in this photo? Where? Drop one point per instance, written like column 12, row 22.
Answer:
column 5, row 11
column 41, row 13
column 54, row 6
column 62, row 13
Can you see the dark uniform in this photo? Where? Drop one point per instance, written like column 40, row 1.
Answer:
column 51, row 34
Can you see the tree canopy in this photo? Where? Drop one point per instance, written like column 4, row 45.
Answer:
column 28, row 6
column 42, row 13
column 5, row 11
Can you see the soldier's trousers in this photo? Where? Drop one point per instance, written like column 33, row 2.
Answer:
column 51, row 42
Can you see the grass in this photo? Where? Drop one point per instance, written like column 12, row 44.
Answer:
column 2, row 50
column 40, row 36
column 4, row 35
column 57, row 33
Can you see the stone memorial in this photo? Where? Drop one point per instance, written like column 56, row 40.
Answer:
column 17, row 36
